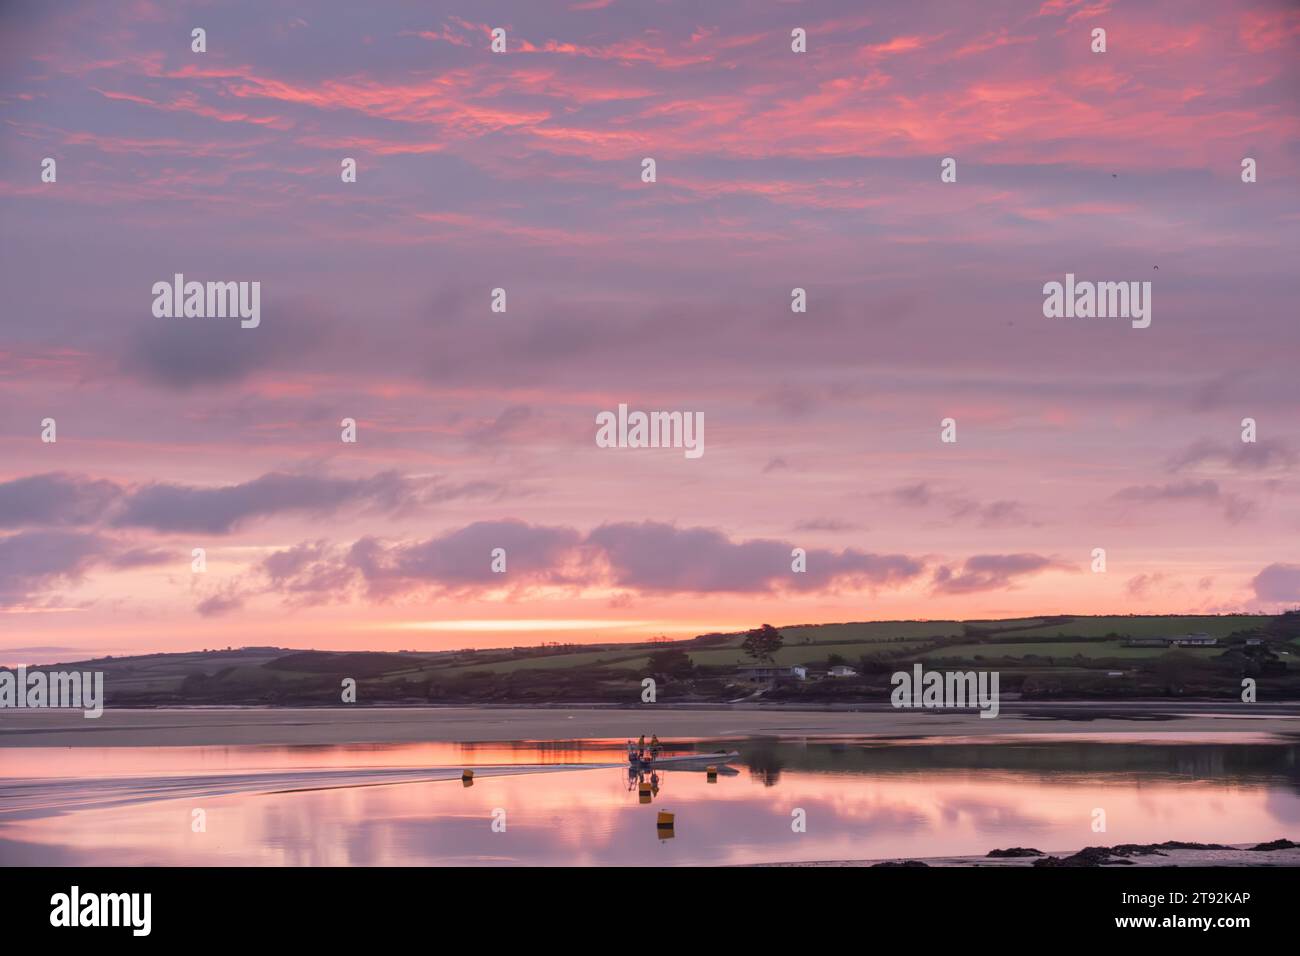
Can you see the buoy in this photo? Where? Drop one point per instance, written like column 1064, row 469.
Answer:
column 711, row 774
column 644, row 786
column 467, row 776
column 644, row 798
column 664, row 820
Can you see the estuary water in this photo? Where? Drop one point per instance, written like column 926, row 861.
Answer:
column 575, row 802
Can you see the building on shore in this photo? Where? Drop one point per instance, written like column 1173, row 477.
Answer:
column 1193, row 640
column 1181, row 640
column 770, row 672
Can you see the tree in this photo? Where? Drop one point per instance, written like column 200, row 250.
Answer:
column 762, row 643
column 672, row 662
column 1285, row 626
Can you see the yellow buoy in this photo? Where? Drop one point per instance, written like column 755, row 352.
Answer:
column 467, row 775
column 711, row 774
column 664, row 819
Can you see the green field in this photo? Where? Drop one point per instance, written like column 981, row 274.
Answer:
column 730, row 656
column 812, row 643
column 863, row 633
column 1145, row 626
column 1060, row 649
column 612, row 657
column 803, row 653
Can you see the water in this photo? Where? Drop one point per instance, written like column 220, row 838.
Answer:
column 361, row 805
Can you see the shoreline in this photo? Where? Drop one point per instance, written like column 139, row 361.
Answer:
column 233, row 726
column 1235, row 855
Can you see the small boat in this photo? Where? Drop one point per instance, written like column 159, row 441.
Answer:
column 679, row 760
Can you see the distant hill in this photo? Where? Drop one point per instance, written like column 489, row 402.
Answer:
column 355, row 664
column 1055, row 657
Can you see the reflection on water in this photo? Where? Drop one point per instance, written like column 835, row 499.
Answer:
column 578, row 802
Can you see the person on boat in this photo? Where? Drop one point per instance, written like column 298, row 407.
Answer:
column 654, row 744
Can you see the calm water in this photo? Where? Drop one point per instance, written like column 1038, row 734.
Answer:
column 355, row 804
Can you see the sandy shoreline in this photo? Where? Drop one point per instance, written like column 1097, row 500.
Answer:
column 1241, row 856
column 287, row 726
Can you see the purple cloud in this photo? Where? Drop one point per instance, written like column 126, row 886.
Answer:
column 652, row 556
column 1239, row 456
column 1235, row 508
column 54, row 500
column 33, row 563
column 183, row 508
column 1278, row 584
column 463, row 558
column 993, row 572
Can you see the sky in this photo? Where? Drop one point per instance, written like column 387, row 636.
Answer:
column 523, row 170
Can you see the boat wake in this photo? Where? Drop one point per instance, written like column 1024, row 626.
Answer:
column 42, row 797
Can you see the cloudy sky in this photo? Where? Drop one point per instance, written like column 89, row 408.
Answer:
column 522, row 171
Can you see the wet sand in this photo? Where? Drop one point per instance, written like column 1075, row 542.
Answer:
column 287, row 726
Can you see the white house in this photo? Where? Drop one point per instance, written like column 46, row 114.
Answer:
column 1194, row 640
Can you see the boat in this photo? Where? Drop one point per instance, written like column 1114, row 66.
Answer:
column 680, row 760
